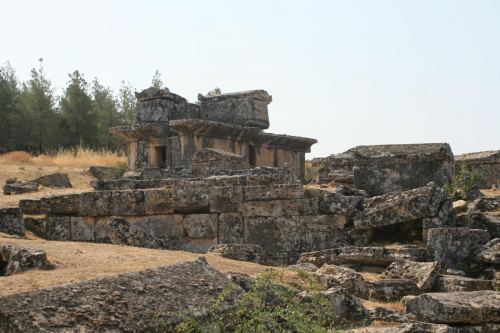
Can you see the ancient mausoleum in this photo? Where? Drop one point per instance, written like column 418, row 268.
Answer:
column 169, row 131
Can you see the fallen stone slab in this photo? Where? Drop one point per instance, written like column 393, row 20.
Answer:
column 490, row 252
column 241, row 252
column 474, row 307
column 390, row 289
column 490, row 222
column 388, row 315
column 455, row 247
column 343, row 200
column 370, row 256
column 484, row 204
column 338, row 276
column 17, row 259
column 349, row 308
column 422, row 273
column 132, row 302
column 57, row 180
column 453, row 283
column 11, row 221
column 19, row 188
column 399, row 208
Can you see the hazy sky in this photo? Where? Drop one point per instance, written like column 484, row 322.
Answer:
column 344, row 72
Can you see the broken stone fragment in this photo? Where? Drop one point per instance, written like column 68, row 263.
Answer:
column 243, row 252
column 388, row 315
column 11, row 221
column 390, row 289
column 455, row 247
column 58, row 180
column 422, row 273
column 338, row 276
column 17, row 259
column 484, row 204
column 453, row 283
column 486, row 221
column 19, row 188
column 399, row 208
column 475, row 307
column 490, row 252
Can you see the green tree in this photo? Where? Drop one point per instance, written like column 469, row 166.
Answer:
column 40, row 118
column 127, row 103
column 9, row 112
column 157, row 82
column 79, row 122
column 105, row 108
column 214, row 92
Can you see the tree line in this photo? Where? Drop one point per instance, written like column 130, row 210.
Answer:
column 34, row 119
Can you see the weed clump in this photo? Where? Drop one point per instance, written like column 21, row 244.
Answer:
column 464, row 185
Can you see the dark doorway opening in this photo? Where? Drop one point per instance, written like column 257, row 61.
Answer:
column 252, row 156
column 163, row 163
column 3, row 267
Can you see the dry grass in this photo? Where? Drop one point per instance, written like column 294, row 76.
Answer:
column 77, row 261
column 79, row 158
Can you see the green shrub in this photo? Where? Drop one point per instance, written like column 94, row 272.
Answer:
column 464, row 185
column 269, row 307
column 116, row 171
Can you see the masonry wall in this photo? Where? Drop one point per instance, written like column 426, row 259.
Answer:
column 488, row 163
column 195, row 214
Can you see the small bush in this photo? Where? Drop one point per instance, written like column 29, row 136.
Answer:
column 464, row 185
column 116, row 171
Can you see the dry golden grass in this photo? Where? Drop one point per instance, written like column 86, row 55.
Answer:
column 79, row 158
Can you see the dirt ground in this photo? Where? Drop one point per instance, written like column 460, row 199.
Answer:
column 79, row 178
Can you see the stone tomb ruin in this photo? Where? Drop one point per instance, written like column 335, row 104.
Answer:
column 169, row 131
column 486, row 162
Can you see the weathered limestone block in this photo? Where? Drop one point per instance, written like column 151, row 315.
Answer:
column 281, row 207
column 11, row 221
column 475, row 307
column 158, row 202
column 273, row 192
column 95, row 203
column 132, row 302
column 306, row 267
column 343, row 200
column 242, row 252
column 30, row 206
column 348, row 307
column 122, row 232
column 201, row 225
column 231, row 228
column 246, row 108
column 490, row 253
column 453, row 283
column 38, row 226
column 19, row 188
column 225, row 198
column 82, row 228
column 422, row 273
column 455, row 247
column 485, row 204
column 17, row 259
column 208, row 161
column 390, row 289
column 235, row 180
column 399, row 208
column 370, row 256
column 127, row 203
column 274, row 234
column 490, row 222
column 485, row 162
column 320, row 232
column 189, row 196
column 388, row 315
column 459, row 206
column 338, row 276
column 101, row 234
column 59, row 228
column 58, row 180
column 60, row 204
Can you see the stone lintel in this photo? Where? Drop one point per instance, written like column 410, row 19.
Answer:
column 260, row 95
column 142, row 131
column 241, row 133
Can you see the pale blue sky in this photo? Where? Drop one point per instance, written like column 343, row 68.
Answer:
column 344, row 72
